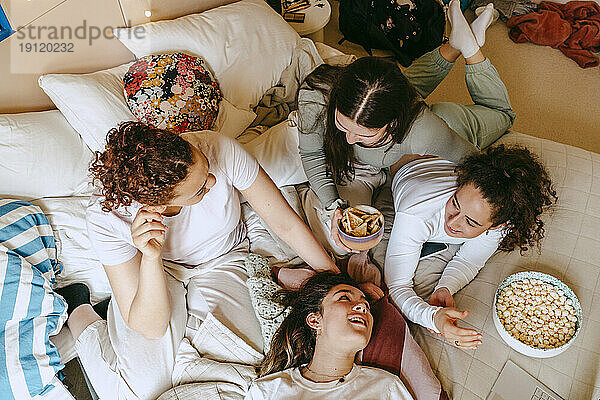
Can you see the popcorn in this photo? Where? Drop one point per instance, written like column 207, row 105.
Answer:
column 536, row 313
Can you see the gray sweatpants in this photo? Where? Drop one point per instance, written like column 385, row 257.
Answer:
column 481, row 123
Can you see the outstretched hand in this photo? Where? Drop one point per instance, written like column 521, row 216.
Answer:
column 446, row 320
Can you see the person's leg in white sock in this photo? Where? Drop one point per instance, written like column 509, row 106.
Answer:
column 481, row 23
column 461, row 37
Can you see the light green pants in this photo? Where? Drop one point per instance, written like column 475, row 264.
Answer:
column 481, row 123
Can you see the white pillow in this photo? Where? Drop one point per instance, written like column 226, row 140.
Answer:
column 95, row 103
column 246, row 44
column 277, row 152
column 92, row 103
column 41, row 156
column 231, row 121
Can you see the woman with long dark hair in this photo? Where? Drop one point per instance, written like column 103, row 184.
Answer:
column 357, row 121
column 312, row 353
column 490, row 201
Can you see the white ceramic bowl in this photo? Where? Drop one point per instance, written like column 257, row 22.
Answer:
column 517, row 344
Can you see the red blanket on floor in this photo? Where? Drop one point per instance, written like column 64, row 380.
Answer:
column 574, row 28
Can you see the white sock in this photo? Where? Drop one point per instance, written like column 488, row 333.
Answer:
column 461, row 37
column 481, row 23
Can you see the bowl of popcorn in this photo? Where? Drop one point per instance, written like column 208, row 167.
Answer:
column 361, row 227
column 536, row 314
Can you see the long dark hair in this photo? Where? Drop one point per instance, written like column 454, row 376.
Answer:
column 141, row 163
column 294, row 342
column 518, row 188
column 371, row 91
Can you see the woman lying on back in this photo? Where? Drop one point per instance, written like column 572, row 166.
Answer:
column 312, row 353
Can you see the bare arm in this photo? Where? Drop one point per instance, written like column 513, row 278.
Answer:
column 270, row 205
column 139, row 285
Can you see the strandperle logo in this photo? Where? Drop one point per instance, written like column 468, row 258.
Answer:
column 67, row 33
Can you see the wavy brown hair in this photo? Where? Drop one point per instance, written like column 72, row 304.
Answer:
column 141, row 163
column 374, row 93
column 294, row 342
column 518, row 188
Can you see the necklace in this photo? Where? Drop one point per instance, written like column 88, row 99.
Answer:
column 341, row 378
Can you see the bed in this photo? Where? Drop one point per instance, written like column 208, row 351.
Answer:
column 45, row 156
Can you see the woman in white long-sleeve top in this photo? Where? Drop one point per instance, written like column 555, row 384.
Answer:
column 490, row 200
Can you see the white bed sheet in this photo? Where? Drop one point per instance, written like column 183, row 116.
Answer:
column 568, row 252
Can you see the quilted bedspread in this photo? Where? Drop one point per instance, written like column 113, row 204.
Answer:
column 570, row 252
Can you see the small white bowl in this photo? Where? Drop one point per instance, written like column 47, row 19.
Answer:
column 517, row 344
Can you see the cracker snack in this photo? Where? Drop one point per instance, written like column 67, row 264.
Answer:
column 537, row 313
column 358, row 223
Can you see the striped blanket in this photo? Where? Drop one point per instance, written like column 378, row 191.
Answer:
column 30, row 312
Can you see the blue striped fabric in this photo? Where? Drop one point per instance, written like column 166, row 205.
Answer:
column 30, row 312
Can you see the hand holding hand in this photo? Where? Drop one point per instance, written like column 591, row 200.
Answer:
column 446, row 321
column 148, row 232
column 441, row 298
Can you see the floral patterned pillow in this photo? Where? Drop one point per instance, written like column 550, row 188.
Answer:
column 173, row 91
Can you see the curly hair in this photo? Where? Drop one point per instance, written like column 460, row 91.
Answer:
column 518, row 188
column 294, row 342
column 141, row 163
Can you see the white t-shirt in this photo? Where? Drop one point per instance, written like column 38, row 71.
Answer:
column 421, row 189
column 362, row 383
column 198, row 233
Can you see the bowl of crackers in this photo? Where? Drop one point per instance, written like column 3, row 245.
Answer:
column 361, row 227
column 536, row 314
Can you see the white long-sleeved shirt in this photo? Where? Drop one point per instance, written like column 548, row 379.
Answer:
column 421, row 189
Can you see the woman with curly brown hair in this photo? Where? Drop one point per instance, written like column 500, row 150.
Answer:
column 490, row 201
column 166, row 224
